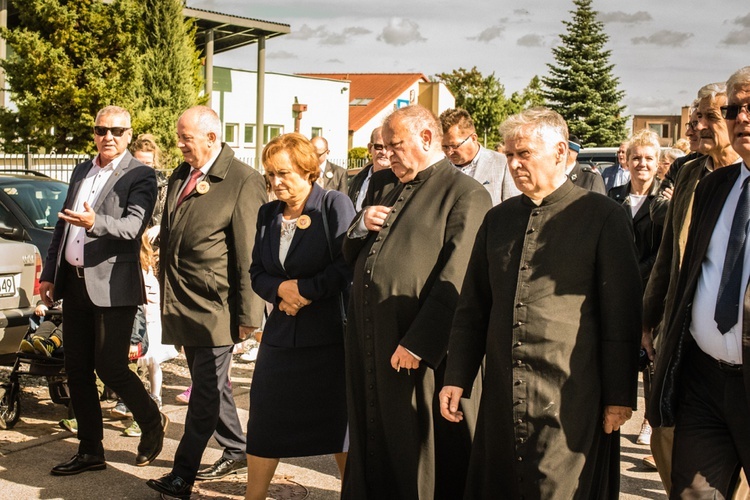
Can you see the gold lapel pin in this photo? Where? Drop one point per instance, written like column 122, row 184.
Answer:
column 202, row 187
column 303, row 222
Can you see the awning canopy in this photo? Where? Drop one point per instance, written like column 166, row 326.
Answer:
column 229, row 31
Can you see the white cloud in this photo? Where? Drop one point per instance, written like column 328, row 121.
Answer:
column 305, row 32
column 664, row 38
column 521, row 12
column 531, row 40
column 401, row 32
column 335, row 61
column 343, row 37
column 489, row 34
column 743, row 21
column 623, row 17
column 737, row 37
column 281, row 54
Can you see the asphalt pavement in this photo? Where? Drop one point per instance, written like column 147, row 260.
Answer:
column 36, row 443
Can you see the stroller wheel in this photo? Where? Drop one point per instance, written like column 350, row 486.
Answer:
column 10, row 407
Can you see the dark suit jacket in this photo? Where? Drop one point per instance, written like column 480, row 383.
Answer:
column 647, row 233
column 584, row 176
column 320, row 279
column 335, row 177
column 112, row 248
column 710, row 196
column 356, row 184
column 206, row 244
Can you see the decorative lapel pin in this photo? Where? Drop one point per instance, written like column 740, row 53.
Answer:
column 303, row 222
column 574, row 177
column 202, row 187
column 329, row 175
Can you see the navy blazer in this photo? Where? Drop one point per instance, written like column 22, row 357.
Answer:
column 319, row 278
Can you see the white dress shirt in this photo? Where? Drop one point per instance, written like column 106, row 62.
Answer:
column 363, row 191
column 91, row 188
column 727, row 347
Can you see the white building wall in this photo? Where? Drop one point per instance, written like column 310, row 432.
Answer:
column 327, row 108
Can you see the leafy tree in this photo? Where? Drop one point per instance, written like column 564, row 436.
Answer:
column 171, row 65
column 581, row 86
column 483, row 97
column 529, row 97
column 70, row 58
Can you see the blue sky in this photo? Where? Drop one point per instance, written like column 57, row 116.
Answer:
column 662, row 51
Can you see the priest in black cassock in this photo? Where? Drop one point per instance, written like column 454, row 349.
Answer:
column 410, row 253
column 561, row 341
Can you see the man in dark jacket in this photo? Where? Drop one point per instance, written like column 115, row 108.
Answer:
column 380, row 161
column 409, row 255
column 561, row 341
column 582, row 175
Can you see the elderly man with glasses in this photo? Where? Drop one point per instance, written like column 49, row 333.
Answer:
column 331, row 175
column 661, row 296
column 462, row 148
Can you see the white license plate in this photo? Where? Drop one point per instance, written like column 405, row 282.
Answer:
column 7, row 286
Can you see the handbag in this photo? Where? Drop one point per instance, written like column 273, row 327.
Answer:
column 329, row 240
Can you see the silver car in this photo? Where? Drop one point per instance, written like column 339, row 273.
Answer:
column 20, row 267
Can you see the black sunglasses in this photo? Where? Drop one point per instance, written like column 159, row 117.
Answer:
column 378, row 147
column 116, row 131
column 731, row 111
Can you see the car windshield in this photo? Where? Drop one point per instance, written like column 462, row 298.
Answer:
column 39, row 200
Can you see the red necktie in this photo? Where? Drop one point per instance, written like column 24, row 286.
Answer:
column 190, row 186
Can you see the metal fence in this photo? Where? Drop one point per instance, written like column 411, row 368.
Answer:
column 57, row 166
column 60, row 166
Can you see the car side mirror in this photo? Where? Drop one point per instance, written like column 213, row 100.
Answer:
column 15, row 233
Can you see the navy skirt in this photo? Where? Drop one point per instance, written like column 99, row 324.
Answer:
column 298, row 402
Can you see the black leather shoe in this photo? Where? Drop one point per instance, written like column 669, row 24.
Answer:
column 222, row 467
column 81, row 462
column 171, row 485
column 151, row 443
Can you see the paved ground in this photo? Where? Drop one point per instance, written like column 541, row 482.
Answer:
column 36, row 443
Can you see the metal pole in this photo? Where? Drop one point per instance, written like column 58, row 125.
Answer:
column 209, row 66
column 260, row 100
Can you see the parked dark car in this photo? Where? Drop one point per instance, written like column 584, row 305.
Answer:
column 599, row 158
column 29, row 204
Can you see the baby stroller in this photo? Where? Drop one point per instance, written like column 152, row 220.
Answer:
column 35, row 364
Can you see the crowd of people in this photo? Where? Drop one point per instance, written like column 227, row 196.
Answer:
column 456, row 322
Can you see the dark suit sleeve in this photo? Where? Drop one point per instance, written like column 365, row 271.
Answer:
column 251, row 197
column 619, row 294
column 337, row 275
column 140, row 203
column 428, row 334
column 658, row 281
column 597, row 185
column 343, row 181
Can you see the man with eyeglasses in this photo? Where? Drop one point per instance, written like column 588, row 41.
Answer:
column 331, row 176
column 582, row 175
column 380, row 162
column 662, row 297
column 93, row 264
column 462, row 148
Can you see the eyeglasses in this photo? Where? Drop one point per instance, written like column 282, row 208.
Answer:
column 691, row 125
column 116, row 131
column 378, row 147
column 731, row 111
column 448, row 147
column 322, row 153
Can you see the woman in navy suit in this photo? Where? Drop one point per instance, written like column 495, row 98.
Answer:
column 298, row 394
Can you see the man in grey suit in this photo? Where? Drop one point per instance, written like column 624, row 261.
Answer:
column 207, row 236
column 461, row 146
column 331, row 176
column 93, row 263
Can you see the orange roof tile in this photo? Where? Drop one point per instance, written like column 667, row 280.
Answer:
column 382, row 88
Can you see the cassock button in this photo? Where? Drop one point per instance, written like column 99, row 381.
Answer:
column 368, row 271
column 520, row 304
column 524, row 267
column 519, row 382
column 385, row 225
column 378, row 238
column 401, row 199
column 519, row 323
column 532, row 230
column 367, row 286
column 519, row 362
column 535, row 213
column 408, row 188
column 521, row 440
column 520, row 459
column 519, row 421
column 518, row 344
column 372, row 252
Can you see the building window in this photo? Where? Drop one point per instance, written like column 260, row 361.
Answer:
column 316, row 132
column 231, row 134
column 249, row 134
column 271, row 131
column 661, row 129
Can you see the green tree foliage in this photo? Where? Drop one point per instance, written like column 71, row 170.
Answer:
column 171, row 65
column 70, row 58
column 581, row 85
column 530, row 97
column 483, row 97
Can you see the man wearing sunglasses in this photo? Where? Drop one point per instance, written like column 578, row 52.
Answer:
column 93, row 263
column 462, row 148
column 698, row 282
column 380, row 162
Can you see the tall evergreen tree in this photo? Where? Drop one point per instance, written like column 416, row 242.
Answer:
column 482, row 96
column 581, row 86
column 68, row 59
column 172, row 77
